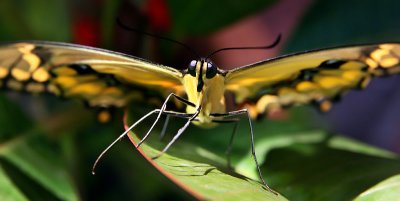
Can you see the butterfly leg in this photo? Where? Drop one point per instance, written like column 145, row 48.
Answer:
column 179, row 133
column 253, row 152
column 229, row 148
column 162, row 109
column 121, row 136
column 177, row 114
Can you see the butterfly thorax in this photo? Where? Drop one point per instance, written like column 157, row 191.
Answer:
column 204, row 86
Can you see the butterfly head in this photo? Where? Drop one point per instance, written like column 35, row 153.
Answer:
column 202, row 70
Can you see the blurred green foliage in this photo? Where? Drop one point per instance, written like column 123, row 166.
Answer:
column 344, row 22
column 198, row 17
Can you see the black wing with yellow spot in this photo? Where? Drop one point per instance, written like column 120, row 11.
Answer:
column 316, row 76
column 102, row 78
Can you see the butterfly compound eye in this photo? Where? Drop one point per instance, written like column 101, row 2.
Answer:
column 192, row 68
column 211, row 70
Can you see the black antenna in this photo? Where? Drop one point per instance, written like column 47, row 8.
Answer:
column 277, row 40
column 119, row 22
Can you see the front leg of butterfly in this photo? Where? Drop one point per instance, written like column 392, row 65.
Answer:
column 179, row 133
column 162, row 110
column 156, row 111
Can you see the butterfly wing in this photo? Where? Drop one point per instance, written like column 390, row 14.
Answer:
column 315, row 76
column 102, row 78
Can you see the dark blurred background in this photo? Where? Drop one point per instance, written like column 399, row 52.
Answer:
column 371, row 115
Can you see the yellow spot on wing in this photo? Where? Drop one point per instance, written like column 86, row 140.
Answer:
column 371, row 63
column 352, row 75
column 15, row 85
column 26, row 48
column 20, row 74
column 387, row 46
column 352, row 65
column 384, row 57
column 288, row 95
column 306, row 86
column 35, row 87
column 41, row 75
column 112, row 91
column 104, row 117
column 70, row 81
column 267, row 102
column 325, row 106
column 65, row 81
column 65, row 71
column 53, row 89
column 33, row 61
column 379, row 53
column 86, row 89
column 3, row 72
column 331, row 82
column 388, row 62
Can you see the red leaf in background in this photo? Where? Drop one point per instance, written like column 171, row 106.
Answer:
column 158, row 14
column 86, row 31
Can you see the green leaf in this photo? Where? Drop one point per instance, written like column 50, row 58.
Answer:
column 201, row 172
column 299, row 162
column 385, row 190
column 31, row 163
column 8, row 190
column 37, row 159
column 323, row 171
